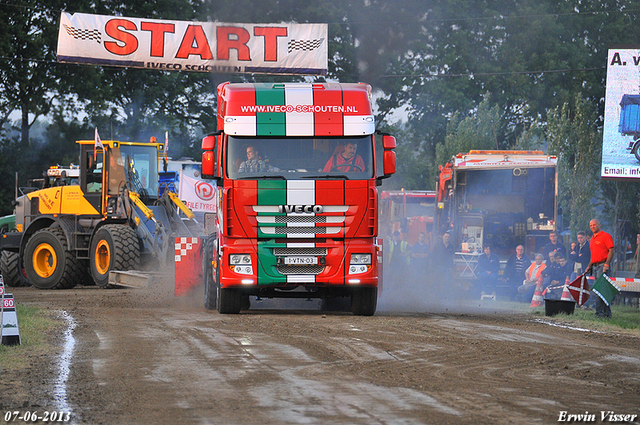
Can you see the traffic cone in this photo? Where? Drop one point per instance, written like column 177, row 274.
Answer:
column 537, row 299
column 566, row 295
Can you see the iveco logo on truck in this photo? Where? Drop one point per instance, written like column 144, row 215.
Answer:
column 317, row 209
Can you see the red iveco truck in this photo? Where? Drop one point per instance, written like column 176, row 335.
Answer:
column 297, row 200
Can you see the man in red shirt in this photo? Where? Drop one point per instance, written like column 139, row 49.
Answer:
column 602, row 250
column 346, row 161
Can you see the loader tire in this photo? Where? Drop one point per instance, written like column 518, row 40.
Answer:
column 11, row 271
column 47, row 262
column 114, row 247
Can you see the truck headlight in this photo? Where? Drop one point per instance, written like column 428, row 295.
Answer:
column 241, row 263
column 240, row 259
column 360, row 263
column 360, row 258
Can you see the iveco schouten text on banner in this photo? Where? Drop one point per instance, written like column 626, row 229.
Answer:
column 285, row 48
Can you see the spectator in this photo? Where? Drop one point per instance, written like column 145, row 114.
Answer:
column 443, row 259
column 532, row 277
column 487, row 270
column 514, row 270
column 602, row 250
column 559, row 277
column 581, row 255
column 399, row 252
column 553, row 246
column 420, row 255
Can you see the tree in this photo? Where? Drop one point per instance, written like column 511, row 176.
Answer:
column 477, row 131
column 574, row 137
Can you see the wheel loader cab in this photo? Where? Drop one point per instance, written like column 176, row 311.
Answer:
column 108, row 171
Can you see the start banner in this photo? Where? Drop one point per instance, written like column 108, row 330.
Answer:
column 286, row 48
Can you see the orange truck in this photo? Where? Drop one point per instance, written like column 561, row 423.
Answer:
column 410, row 212
column 501, row 198
column 296, row 167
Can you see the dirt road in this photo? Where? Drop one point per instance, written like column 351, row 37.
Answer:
column 143, row 357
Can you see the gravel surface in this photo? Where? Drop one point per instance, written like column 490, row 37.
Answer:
column 142, row 356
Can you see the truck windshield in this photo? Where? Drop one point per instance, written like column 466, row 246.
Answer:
column 294, row 158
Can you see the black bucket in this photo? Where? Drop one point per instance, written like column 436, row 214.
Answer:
column 553, row 307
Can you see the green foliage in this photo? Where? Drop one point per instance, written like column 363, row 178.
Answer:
column 573, row 136
column 478, row 131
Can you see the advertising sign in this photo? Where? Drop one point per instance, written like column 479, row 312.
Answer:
column 621, row 139
column 285, row 48
column 197, row 194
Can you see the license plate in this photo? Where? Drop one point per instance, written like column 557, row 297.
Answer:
column 300, row 261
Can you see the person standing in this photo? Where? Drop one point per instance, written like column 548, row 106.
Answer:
column 420, row 255
column 443, row 255
column 399, row 252
column 554, row 245
column 581, row 255
column 602, row 251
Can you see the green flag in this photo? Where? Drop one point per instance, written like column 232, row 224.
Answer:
column 605, row 289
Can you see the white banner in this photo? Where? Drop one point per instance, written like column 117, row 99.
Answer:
column 285, row 48
column 197, row 194
column 621, row 132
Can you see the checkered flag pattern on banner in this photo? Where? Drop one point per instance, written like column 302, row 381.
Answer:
column 83, row 34
column 304, row 44
column 605, row 288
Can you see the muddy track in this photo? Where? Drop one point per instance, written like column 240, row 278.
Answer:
column 145, row 357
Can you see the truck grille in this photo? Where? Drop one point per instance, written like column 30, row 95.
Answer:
column 287, row 270
column 299, row 251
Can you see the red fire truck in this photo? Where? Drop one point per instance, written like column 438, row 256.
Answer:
column 408, row 211
column 503, row 198
column 297, row 203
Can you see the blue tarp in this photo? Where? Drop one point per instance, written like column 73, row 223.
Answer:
column 629, row 114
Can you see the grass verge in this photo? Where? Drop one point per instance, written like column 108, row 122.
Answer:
column 36, row 327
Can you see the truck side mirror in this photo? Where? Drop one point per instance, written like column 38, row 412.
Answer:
column 388, row 142
column 209, row 157
column 389, row 163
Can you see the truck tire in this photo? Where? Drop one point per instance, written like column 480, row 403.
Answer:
column 230, row 300
column 364, row 301
column 11, row 271
column 47, row 262
column 113, row 247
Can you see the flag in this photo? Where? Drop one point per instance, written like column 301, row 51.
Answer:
column 579, row 289
column 605, row 288
column 166, row 142
column 96, row 145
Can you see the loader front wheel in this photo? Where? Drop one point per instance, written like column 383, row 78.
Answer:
column 114, row 247
column 47, row 262
column 11, row 271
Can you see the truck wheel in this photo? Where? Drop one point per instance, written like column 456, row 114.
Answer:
column 364, row 301
column 48, row 263
column 229, row 300
column 210, row 273
column 636, row 151
column 11, row 271
column 113, row 247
